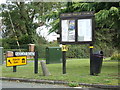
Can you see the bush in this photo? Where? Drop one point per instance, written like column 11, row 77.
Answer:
column 73, row 84
column 75, row 51
column 41, row 48
column 17, row 50
column 78, row 51
column 115, row 56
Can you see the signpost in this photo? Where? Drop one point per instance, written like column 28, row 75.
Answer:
column 1, row 55
column 20, row 58
column 35, row 54
column 76, row 28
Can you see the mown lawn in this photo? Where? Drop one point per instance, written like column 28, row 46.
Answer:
column 77, row 71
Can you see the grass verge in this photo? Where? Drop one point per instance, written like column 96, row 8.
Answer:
column 77, row 71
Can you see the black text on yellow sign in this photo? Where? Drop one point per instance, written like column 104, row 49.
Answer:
column 64, row 48
column 16, row 61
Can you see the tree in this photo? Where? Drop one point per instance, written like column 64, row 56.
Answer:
column 107, row 17
column 25, row 18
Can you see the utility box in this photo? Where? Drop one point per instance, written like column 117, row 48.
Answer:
column 1, row 55
column 53, row 55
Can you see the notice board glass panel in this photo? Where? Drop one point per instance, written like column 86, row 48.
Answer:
column 68, row 30
column 84, row 30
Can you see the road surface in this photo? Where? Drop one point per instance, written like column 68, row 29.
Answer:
column 12, row 85
column 17, row 84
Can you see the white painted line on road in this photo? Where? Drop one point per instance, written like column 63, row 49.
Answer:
column 77, row 87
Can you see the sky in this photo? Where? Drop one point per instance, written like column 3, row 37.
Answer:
column 2, row 1
column 43, row 31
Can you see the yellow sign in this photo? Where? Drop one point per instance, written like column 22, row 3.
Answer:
column 15, row 61
column 91, row 47
column 64, row 48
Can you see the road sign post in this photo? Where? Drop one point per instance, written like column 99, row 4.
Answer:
column 36, row 63
column 14, row 67
column 64, row 62
column 15, row 61
column 91, row 60
column 35, row 54
column 1, row 55
column 64, row 49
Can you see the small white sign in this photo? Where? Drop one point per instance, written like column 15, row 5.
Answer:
column 25, row 53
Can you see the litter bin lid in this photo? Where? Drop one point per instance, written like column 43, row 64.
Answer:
column 99, row 53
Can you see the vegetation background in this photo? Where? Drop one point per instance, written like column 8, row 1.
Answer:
column 21, row 19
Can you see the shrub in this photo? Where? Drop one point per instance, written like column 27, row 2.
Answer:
column 17, row 50
column 73, row 84
column 115, row 56
column 78, row 51
column 41, row 48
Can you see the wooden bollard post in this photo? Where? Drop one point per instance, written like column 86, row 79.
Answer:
column 44, row 68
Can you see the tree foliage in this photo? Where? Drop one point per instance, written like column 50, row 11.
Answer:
column 107, row 17
column 25, row 18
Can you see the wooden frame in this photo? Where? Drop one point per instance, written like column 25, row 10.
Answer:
column 76, row 17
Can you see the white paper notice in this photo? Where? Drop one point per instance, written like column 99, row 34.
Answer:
column 85, row 30
column 68, row 30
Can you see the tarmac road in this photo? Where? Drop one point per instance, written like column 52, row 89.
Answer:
column 16, row 85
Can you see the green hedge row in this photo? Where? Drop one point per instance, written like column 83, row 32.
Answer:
column 22, row 50
column 76, row 51
column 115, row 56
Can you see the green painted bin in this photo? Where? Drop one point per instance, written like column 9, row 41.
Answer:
column 53, row 55
column 1, row 55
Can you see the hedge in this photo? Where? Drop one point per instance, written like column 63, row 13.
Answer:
column 75, row 51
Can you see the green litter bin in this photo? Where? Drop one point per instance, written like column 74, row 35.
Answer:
column 53, row 55
column 1, row 55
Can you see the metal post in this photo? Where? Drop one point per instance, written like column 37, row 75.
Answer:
column 36, row 63
column 91, row 60
column 1, row 55
column 64, row 62
column 14, row 67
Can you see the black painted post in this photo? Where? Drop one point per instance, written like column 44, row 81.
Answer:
column 91, row 59
column 36, row 63
column 14, row 67
column 64, row 62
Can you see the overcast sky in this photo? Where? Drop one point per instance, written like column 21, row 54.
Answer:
column 2, row 1
column 43, row 31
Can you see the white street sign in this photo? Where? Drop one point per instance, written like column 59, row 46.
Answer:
column 25, row 53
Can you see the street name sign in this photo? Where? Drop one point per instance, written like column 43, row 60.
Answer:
column 24, row 53
column 16, row 61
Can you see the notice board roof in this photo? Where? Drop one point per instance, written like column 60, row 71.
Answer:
column 76, row 14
